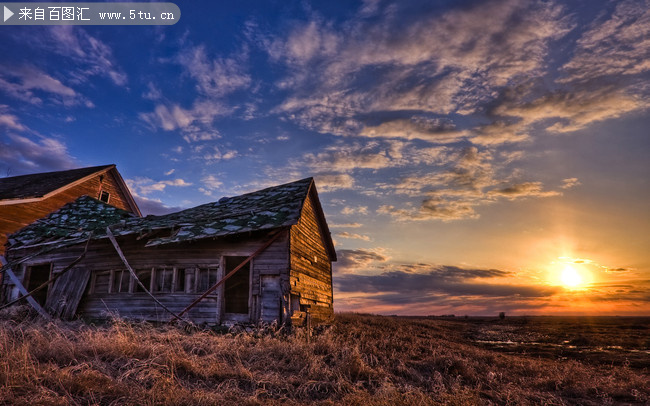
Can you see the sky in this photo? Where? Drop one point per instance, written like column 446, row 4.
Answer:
column 471, row 157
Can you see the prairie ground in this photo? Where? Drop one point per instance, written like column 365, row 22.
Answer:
column 359, row 359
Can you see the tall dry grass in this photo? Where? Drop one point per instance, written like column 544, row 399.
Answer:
column 367, row 360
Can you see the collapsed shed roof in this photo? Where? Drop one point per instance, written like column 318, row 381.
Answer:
column 266, row 209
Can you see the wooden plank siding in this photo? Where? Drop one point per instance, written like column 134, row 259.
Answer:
column 310, row 277
column 13, row 217
column 101, row 260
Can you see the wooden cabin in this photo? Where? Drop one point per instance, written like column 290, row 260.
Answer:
column 276, row 238
column 27, row 198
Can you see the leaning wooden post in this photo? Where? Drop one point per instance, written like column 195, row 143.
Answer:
column 231, row 273
column 132, row 272
column 23, row 291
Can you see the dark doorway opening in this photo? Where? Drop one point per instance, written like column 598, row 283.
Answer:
column 38, row 275
column 237, row 286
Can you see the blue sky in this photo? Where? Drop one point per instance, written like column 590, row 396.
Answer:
column 468, row 154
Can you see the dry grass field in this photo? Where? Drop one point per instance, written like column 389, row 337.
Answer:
column 368, row 360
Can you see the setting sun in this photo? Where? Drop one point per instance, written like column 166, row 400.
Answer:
column 570, row 277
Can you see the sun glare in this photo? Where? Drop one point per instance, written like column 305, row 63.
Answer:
column 570, row 277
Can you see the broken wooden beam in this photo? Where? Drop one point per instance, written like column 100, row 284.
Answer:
column 231, row 273
column 22, row 290
column 111, row 237
column 54, row 278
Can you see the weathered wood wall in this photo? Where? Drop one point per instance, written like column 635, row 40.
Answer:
column 13, row 217
column 101, row 256
column 311, row 269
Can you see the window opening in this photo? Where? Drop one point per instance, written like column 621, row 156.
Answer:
column 104, row 196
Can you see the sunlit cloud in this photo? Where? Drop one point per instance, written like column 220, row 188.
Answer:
column 355, row 210
column 210, row 184
column 353, row 236
column 439, row 63
column 570, row 183
column 434, row 130
column 145, row 186
column 329, row 182
column 574, row 110
column 618, row 45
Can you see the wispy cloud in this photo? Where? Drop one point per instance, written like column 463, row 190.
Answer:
column 334, row 181
column 434, row 130
column 31, row 85
column 145, row 186
column 10, row 121
column 214, row 77
column 91, row 56
column 353, row 236
column 210, row 184
column 441, row 62
column 21, row 154
column 617, row 45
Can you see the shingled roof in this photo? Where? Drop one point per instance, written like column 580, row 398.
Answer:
column 266, row 209
column 72, row 222
column 41, row 184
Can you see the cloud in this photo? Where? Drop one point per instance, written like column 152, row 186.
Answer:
column 353, row 236
column 442, row 61
column 152, row 93
column 195, row 123
column 336, row 181
column 144, row 186
column 429, row 129
column 91, row 56
column 8, row 120
column 217, row 77
column 575, row 109
column 526, row 189
column 620, row 45
column 214, row 153
column 345, row 157
column 210, row 184
column 346, row 225
column 570, row 183
column 350, row 261
column 499, row 132
column 154, row 206
column 355, row 210
column 21, row 154
column 30, row 85
column 467, row 178
column 432, row 209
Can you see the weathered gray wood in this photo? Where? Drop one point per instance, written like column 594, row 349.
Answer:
column 23, row 291
column 135, row 277
column 64, row 296
column 231, row 273
column 55, row 277
column 271, row 298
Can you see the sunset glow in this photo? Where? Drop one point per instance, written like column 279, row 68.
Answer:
column 570, row 277
column 471, row 157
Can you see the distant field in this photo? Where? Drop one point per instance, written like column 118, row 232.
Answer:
column 360, row 359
